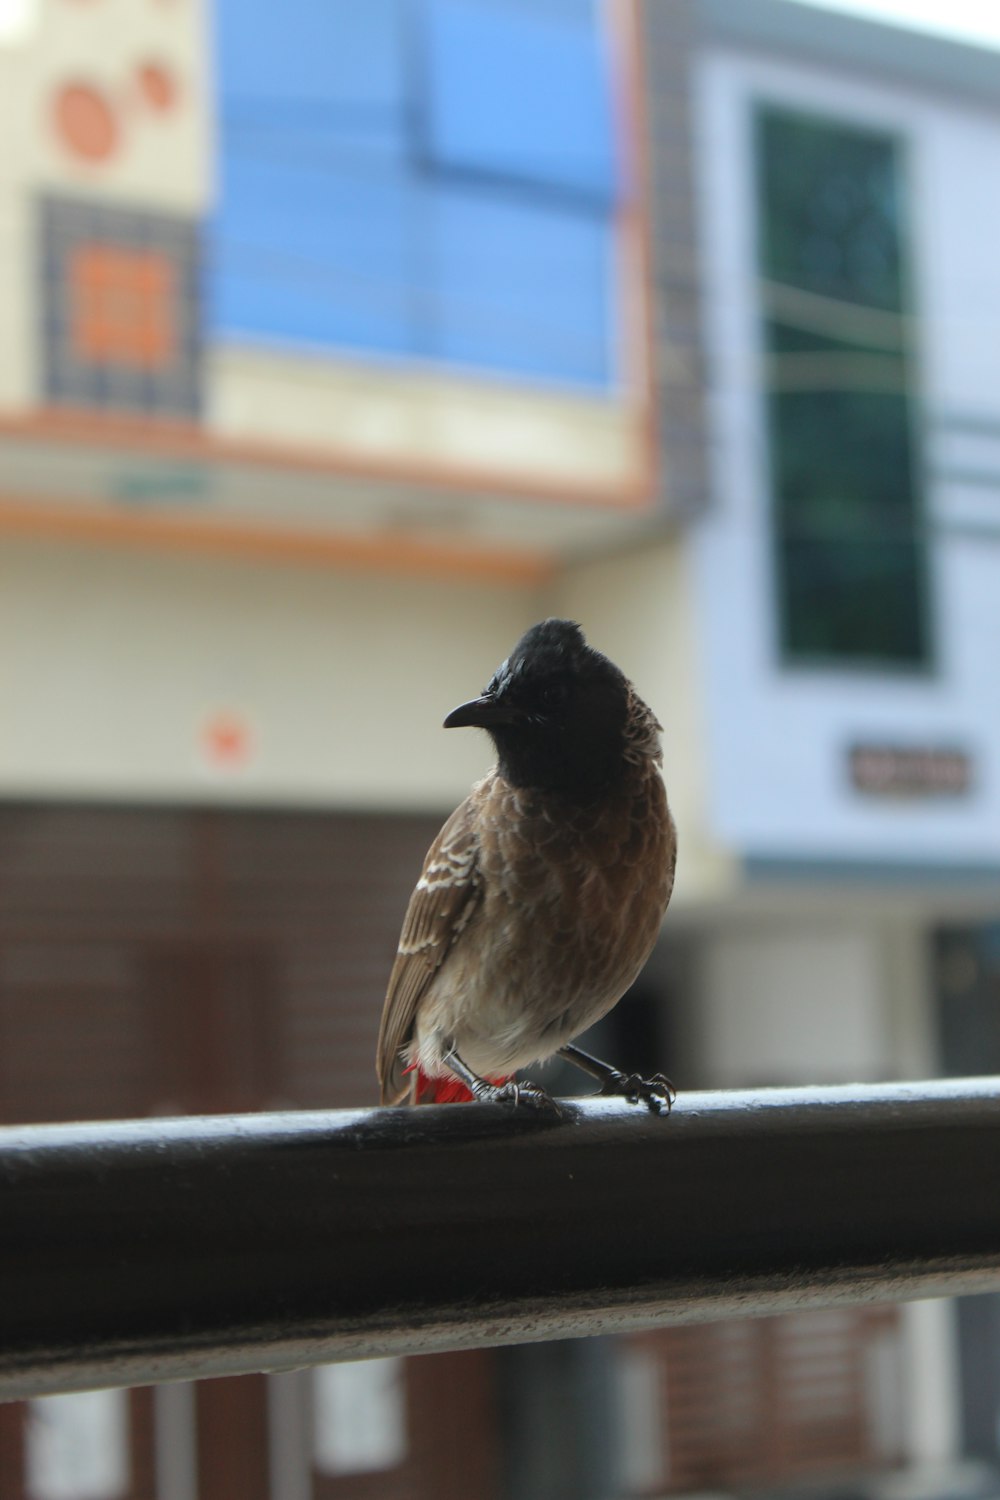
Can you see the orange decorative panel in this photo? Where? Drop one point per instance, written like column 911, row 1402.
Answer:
column 122, row 305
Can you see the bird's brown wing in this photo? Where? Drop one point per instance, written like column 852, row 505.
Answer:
column 445, row 897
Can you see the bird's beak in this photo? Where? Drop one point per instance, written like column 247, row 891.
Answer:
column 480, row 713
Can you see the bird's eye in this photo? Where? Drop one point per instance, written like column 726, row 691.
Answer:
column 553, row 694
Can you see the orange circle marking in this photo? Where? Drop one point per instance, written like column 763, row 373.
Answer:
column 157, row 86
column 227, row 740
column 85, row 122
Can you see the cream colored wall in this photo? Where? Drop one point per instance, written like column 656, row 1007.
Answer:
column 18, row 295
column 163, row 160
column 637, row 607
column 110, row 662
column 18, row 291
column 376, row 410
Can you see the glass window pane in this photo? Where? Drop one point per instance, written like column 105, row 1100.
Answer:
column 849, row 554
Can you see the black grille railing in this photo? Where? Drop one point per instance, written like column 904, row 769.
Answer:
column 161, row 1249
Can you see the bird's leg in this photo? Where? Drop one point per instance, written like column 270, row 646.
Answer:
column 657, row 1093
column 485, row 1092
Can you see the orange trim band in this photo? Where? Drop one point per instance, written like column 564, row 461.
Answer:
column 401, row 554
column 170, row 438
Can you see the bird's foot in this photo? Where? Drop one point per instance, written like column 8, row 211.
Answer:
column 657, row 1092
column 515, row 1094
column 504, row 1090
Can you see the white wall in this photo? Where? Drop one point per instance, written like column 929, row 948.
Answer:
column 789, row 1004
column 111, row 662
column 933, row 1423
column 814, row 998
column 778, row 738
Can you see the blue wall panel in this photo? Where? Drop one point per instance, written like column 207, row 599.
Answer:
column 338, row 57
column 433, row 180
column 314, row 253
column 525, row 283
column 519, row 96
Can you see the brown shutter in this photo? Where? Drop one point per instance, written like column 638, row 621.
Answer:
column 167, row 960
column 758, row 1401
column 156, row 959
column 329, row 893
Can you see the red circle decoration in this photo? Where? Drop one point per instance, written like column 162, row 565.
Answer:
column 85, row 122
column 157, row 86
column 227, row 740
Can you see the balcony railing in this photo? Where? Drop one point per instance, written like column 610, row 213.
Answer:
column 161, row 1249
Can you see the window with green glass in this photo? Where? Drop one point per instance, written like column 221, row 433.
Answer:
column 846, row 505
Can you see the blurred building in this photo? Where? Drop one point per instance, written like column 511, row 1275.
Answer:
column 340, row 342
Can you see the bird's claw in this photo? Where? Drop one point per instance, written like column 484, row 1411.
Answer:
column 530, row 1094
column 657, row 1092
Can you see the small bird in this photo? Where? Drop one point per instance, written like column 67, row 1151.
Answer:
column 542, row 896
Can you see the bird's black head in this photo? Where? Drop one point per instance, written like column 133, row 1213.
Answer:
column 556, row 711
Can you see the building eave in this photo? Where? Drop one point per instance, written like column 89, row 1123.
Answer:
column 866, row 46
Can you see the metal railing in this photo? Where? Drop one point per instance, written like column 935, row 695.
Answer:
column 165, row 1249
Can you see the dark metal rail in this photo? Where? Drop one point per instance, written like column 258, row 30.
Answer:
column 164, row 1249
